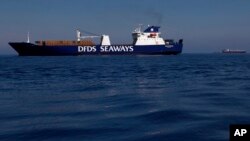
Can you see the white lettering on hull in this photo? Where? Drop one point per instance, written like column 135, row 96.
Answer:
column 104, row 49
column 86, row 48
column 116, row 49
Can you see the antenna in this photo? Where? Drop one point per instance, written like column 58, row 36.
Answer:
column 28, row 37
column 140, row 26
column 138, row 29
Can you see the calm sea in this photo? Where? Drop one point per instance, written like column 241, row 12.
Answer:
column 193, row 97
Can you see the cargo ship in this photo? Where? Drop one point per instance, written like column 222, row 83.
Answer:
column 231, row 51
column 147, row 42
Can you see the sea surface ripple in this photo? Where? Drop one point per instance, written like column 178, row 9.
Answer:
column 192, row 97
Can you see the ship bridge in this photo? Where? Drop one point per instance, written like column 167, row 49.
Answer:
column 150, row 36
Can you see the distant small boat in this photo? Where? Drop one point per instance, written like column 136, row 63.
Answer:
column 233, row 51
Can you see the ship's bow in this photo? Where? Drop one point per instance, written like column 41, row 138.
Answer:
column 21, row 48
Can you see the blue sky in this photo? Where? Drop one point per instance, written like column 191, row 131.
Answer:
column 205, row 25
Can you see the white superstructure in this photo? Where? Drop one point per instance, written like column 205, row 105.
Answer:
column 150, row 36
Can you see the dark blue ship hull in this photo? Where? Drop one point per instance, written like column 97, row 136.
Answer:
column 29, row 49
